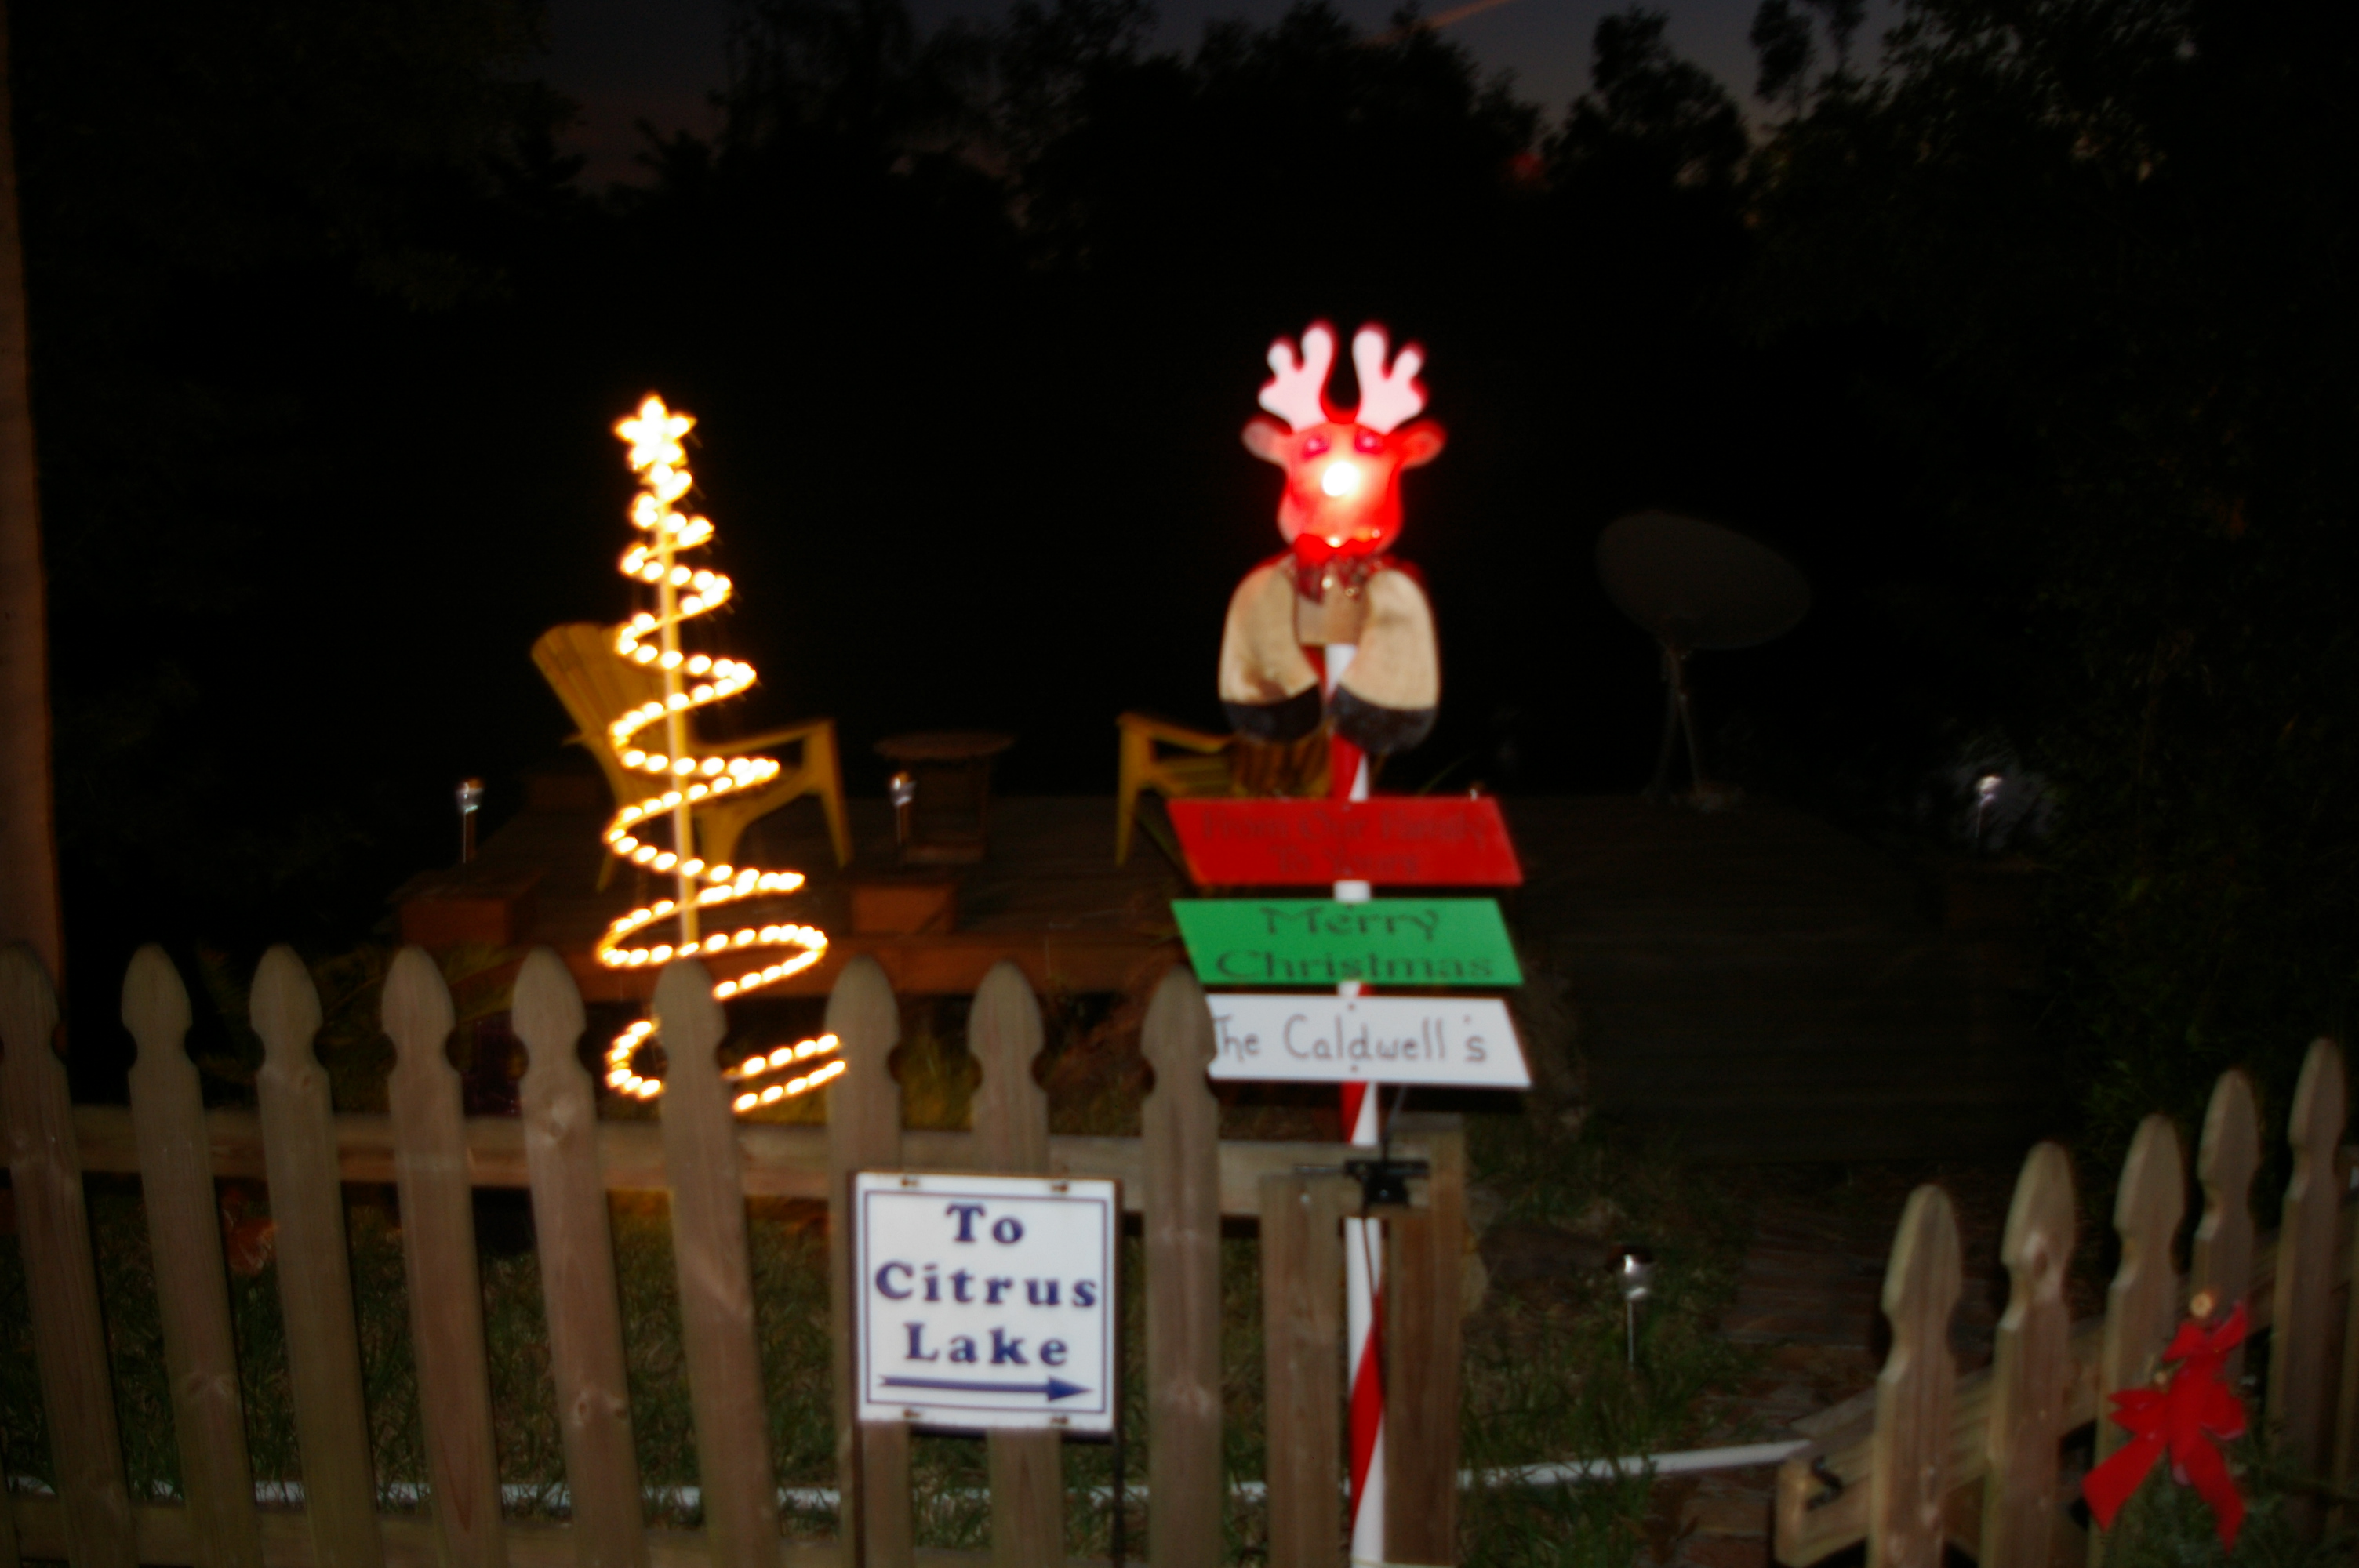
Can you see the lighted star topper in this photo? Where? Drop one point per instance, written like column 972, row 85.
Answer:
column 682, row 775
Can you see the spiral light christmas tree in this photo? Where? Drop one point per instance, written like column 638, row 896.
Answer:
column 681, row 776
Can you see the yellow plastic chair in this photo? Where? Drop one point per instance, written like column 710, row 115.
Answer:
column 580, row 665
column 1206, row 763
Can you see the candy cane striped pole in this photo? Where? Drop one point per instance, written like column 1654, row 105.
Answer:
column 1364, row 1240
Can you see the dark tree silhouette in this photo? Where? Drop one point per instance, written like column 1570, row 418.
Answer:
column 1668, row 118
column 1781, row 41
column 2090, row 258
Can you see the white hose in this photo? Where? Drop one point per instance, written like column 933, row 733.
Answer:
column 824, row 1500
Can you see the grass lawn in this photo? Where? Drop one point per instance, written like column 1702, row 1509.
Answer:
column 1545, row 1372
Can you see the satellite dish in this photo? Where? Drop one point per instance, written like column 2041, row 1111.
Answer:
column 1695, row 585
column 1698, row 585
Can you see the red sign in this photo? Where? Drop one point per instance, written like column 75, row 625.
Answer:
column 1393, row 840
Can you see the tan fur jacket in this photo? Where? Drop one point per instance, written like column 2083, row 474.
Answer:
column 1270, row 684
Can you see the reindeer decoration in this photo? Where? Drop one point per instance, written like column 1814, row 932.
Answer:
column 1335, row 628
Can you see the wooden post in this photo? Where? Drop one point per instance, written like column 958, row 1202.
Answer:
column 1181, row 1127
column 176, row 1187
column 53, row 1229
column 702, row 1165
column 315, row 1271
column 1011, row 1129
column 2346, row 1415
column 1913, row 1393
column 437, row 1244
column 2142, row 1303
column 2032, row 1371
column 575, row 1236
column 30, row 909
column 863, row 1133
column 1423, row 1350
column 2222, row 1263
column 2297, row 1408
column 1302, row 1346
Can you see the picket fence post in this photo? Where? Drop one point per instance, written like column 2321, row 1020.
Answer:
column 315, row 1275
column 2297, row 1413
column 1011, row 1131
column 1302, row 1350
column 1424, row 1340
column 2142, row 1301
column 2030, row 1369
column 61, row 1277
column 1180, row 1124
column 1915, row 1390
column 573, row 1233
column 704, row 1170
column 438, row 1246
column 2221, row 1266
column 863, row 1133
column 175, row 1188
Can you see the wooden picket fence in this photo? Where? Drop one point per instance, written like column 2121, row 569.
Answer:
column 1179, row 1175
column 1926, row 1457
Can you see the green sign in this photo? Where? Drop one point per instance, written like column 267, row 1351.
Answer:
column 1317, row 942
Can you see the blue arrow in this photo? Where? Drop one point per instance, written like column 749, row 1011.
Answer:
column 1055, row 1388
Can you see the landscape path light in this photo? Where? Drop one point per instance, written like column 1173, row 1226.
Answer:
column 1634, row 1272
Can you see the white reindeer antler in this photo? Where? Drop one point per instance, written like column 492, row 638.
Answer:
column 1294, row 391
column 1387, row 397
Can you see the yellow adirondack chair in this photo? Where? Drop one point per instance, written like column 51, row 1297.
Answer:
column 1206, row 763
column 580, row 665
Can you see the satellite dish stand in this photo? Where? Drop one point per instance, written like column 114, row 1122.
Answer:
column 1693, row 585
column 1678, row 718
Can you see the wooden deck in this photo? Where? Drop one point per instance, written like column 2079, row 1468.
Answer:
column 1048, row 896
column 1763, row 984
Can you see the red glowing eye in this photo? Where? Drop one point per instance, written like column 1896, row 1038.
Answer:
column 1368, row 441
column 1314, row 446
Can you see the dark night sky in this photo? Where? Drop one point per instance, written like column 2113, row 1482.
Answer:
column 657, row 59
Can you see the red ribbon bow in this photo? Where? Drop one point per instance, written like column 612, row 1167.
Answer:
column 2189, row 1415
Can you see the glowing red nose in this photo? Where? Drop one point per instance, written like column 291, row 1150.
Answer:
column 1340, row 479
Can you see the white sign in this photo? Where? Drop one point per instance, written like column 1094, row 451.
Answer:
column 985, row 1300
column 1462, row 1041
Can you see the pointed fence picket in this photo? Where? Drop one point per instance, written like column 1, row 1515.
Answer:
column 1902, row 1477
column 2220, row 1268
column 1011, row 1131
column 2030, row 1368
column 53, row 1228
column 315, row 1273
column 1916, row 1389
column 716, row 1276
column 2300, row 1415
column 438, row 1243
column 863, row 1133
column 1178, row 1177
column 575, row 1236
column 1180, row 1123
column 2142, row 1303
column 184, row 1238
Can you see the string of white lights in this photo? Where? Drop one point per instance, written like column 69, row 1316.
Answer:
column 687, row 777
